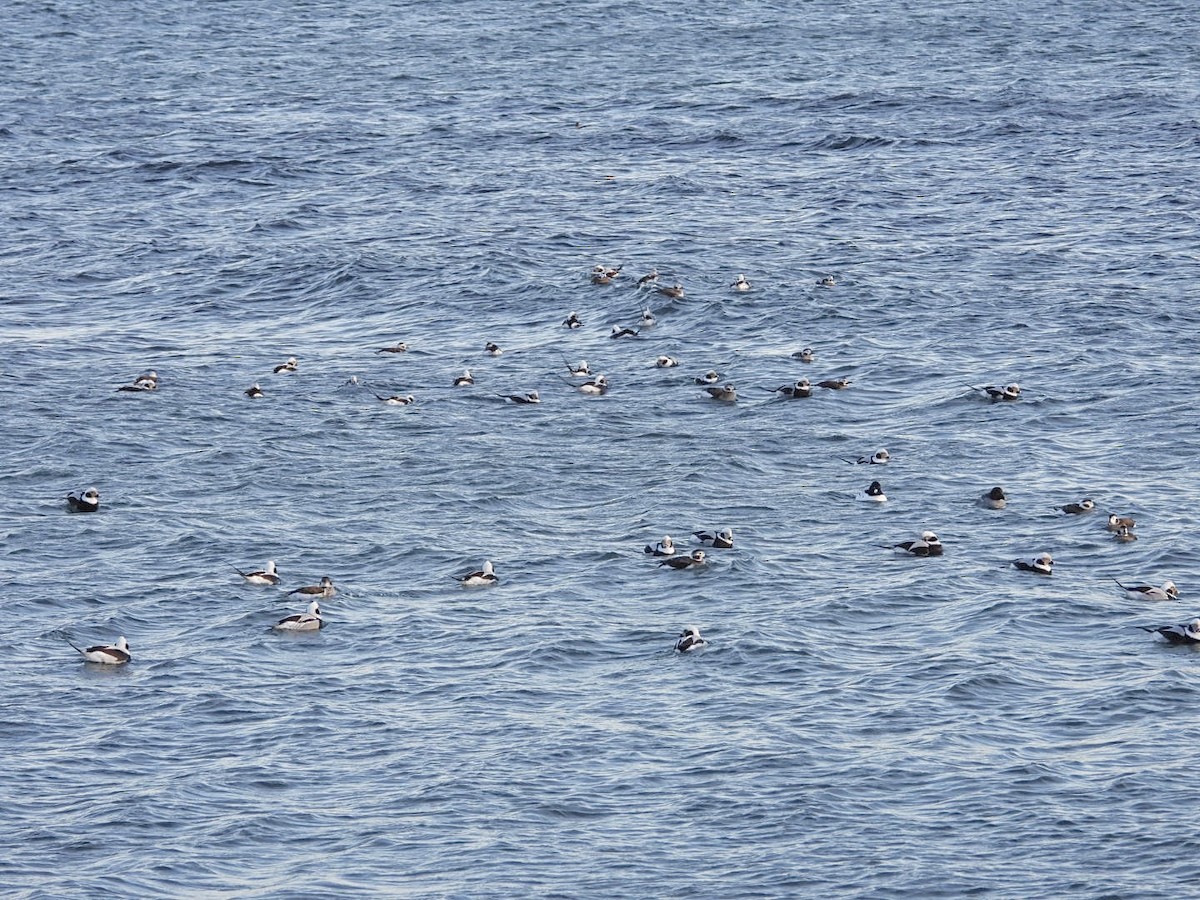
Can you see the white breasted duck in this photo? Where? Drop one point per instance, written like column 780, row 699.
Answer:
column 619, row 332
column 84, row 501
column 530, row 397
column 878, row 458
column 269, row 575
column 806, row 355
column 395, row 348
column 579, row 371
column 107, row 654
column 147, row 381
column 1078, row 509
column 1008, row 392
column 689, row 640
column 1179, row 634
column 466, row 379
column 740, row 284
column 481, row 578
column 726, row 393
column 1041, row 565
column 675, row 292
column 595, row 387
column 572, row 321
column 397, row 399
column 695, row 559
column 927, row 545
column 1116, row 523
column 324, row 590
column 874, row 493
column 310, row 620
column 835, row 384
column 286, row 368
column 666, row 362
column 721, row 540
column 492, row 349
column 826, row 281
column 1124, row 535
column 649, row 277
column 665, row 547
column 647, row 320
column 1168, row 591
column 710, row 377
column 253, row 391
column 994, row 499
column 796, row 391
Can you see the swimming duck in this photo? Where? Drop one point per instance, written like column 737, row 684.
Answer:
column 666, row 362
column 107, row 654
column 84, row 501
column 492, row 348
column 690, row 640
column 572, row 321
column 834, row 384
column 466, row 379
column 1124, row 535
column 286, row 368
column 1042, row 565
column 726, row 394
column 253, row 391
column 674, row 292
column 481, row 578
column 595, row 387
column 720, row 540
column 324, row 590
column 826, row 281
column 650, row 276
column 1116, row 523
column 619, row 332
column 397, row 399
column 1168, row 591
column 1078, row 509
column 531, row 397
column 1008, row 392
column 695, row 559
column 927, row 545
column 1180, row 634
column 580, row 370
column 709, row 377
column 797, row 391
column 147, row 381
column 665, row 547
column 741, row 284
column 874, row 493
column 310, row 620
column 805, row 355
column 878, row 458
column 647, row 320
column 994, row 499
column 395, row 348
column 261, row 576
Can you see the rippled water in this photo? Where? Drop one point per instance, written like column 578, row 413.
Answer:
column 1002, row 194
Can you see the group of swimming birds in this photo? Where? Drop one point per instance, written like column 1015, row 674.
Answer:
column 669, row 556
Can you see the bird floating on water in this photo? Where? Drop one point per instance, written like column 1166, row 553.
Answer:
column 84, row 501
column 269, row 575
column 1168, row 591
column 106, row 654
column 309, row 620
column 480, row 578
column 994, row 499
column 689, row 640
column 720, row 540
column 665, row 547
column 324, row 590
column 286, row 368
column 1041, row 565
column 694, row 559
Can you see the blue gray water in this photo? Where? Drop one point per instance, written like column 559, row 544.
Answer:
column 1003, row 192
